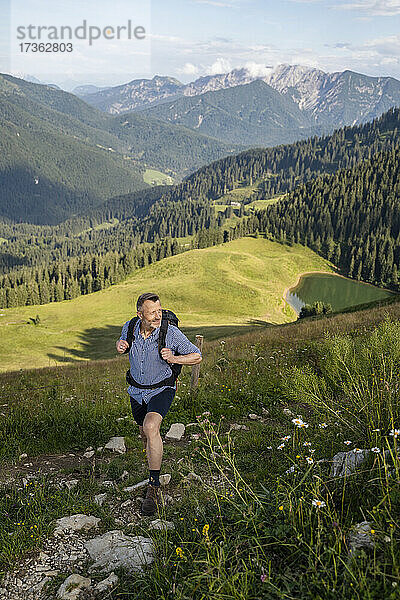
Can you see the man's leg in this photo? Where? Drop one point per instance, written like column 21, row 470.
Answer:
column 143, row 436
column 151, row 429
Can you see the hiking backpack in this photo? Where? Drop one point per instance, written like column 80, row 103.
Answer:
column 167, row 317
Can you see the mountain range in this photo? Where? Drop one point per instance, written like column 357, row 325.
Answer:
column 59, row 155
column 327, row 99
column 250, row 114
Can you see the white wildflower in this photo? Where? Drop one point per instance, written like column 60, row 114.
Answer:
column 299, row 423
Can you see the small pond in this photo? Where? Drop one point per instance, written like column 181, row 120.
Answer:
column 337, row 291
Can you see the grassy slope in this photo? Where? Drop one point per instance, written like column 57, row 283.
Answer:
column 261, row 520
column 151, row 175
column 215, row 291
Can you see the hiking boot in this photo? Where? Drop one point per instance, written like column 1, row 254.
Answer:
column 152, row 501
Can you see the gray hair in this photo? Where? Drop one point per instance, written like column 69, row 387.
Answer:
column 144, row 297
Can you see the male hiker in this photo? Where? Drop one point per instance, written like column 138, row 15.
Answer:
column 152, row 380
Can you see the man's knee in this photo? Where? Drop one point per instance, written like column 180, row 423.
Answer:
column 151, row 424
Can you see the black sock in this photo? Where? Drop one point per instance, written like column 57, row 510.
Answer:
column 154, row 478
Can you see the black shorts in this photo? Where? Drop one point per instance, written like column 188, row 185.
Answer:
column 159, row 403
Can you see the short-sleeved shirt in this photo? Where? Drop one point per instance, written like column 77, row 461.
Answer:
column 146, row 365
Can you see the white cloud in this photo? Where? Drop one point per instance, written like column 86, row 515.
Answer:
column 389, row 60
column 258, row 69
column 189, row 69
column 225, row 4
column 221, row 65
column 387, row 46
column 165, row 38
column 382, row 8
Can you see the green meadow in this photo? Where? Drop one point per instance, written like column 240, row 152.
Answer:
column 244, row 191
column 154, row 177
column 267, row 519
column 217, row 291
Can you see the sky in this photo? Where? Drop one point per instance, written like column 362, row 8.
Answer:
column 187, row 39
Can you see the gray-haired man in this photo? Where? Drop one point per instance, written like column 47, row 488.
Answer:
column 149, row 406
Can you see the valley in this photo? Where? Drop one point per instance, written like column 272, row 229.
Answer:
column 238, row 198
column 217, row 291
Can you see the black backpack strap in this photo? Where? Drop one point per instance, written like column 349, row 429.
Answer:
column 163, row 331
column 129, row 336
column 167, row 317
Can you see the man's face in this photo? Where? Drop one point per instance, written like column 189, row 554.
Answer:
column 151, row 314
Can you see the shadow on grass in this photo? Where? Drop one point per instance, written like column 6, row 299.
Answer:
column 98, row 343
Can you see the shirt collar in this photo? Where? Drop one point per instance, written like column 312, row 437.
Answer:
column 137, row 331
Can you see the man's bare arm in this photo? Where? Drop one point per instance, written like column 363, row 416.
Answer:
column 193, row 358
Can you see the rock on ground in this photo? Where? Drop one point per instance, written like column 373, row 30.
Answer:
column 164, row 480
column 360, row 536
column 114, row 549
column 160, row 524
column 136, row 486
column 116, row 444
column 175, row 432
column 346, row 463
column 70, row 484
column 191, row 476
column 75, row 523
column 106, row 584
column 99, row 499
column 72, row 587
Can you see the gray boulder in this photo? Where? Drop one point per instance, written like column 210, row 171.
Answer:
column 114, row 549
column 360, row 536
column 106, row 584
column 116, row 444
column 72, row 587
column 160, row 524
column 175, row 432
column 346, row 463
column 75, row 523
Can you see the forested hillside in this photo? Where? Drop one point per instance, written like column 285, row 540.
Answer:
column 59, row 156
column 48, row 174
column 351, row 217
column 251, row 114
column 360, row 244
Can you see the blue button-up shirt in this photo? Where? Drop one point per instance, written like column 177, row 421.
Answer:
column 146, row 365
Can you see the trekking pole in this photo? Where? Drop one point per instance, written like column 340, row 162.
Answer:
column 196, row 368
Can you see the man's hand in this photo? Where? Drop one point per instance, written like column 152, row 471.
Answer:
column 122, row 345
column 168, row 355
